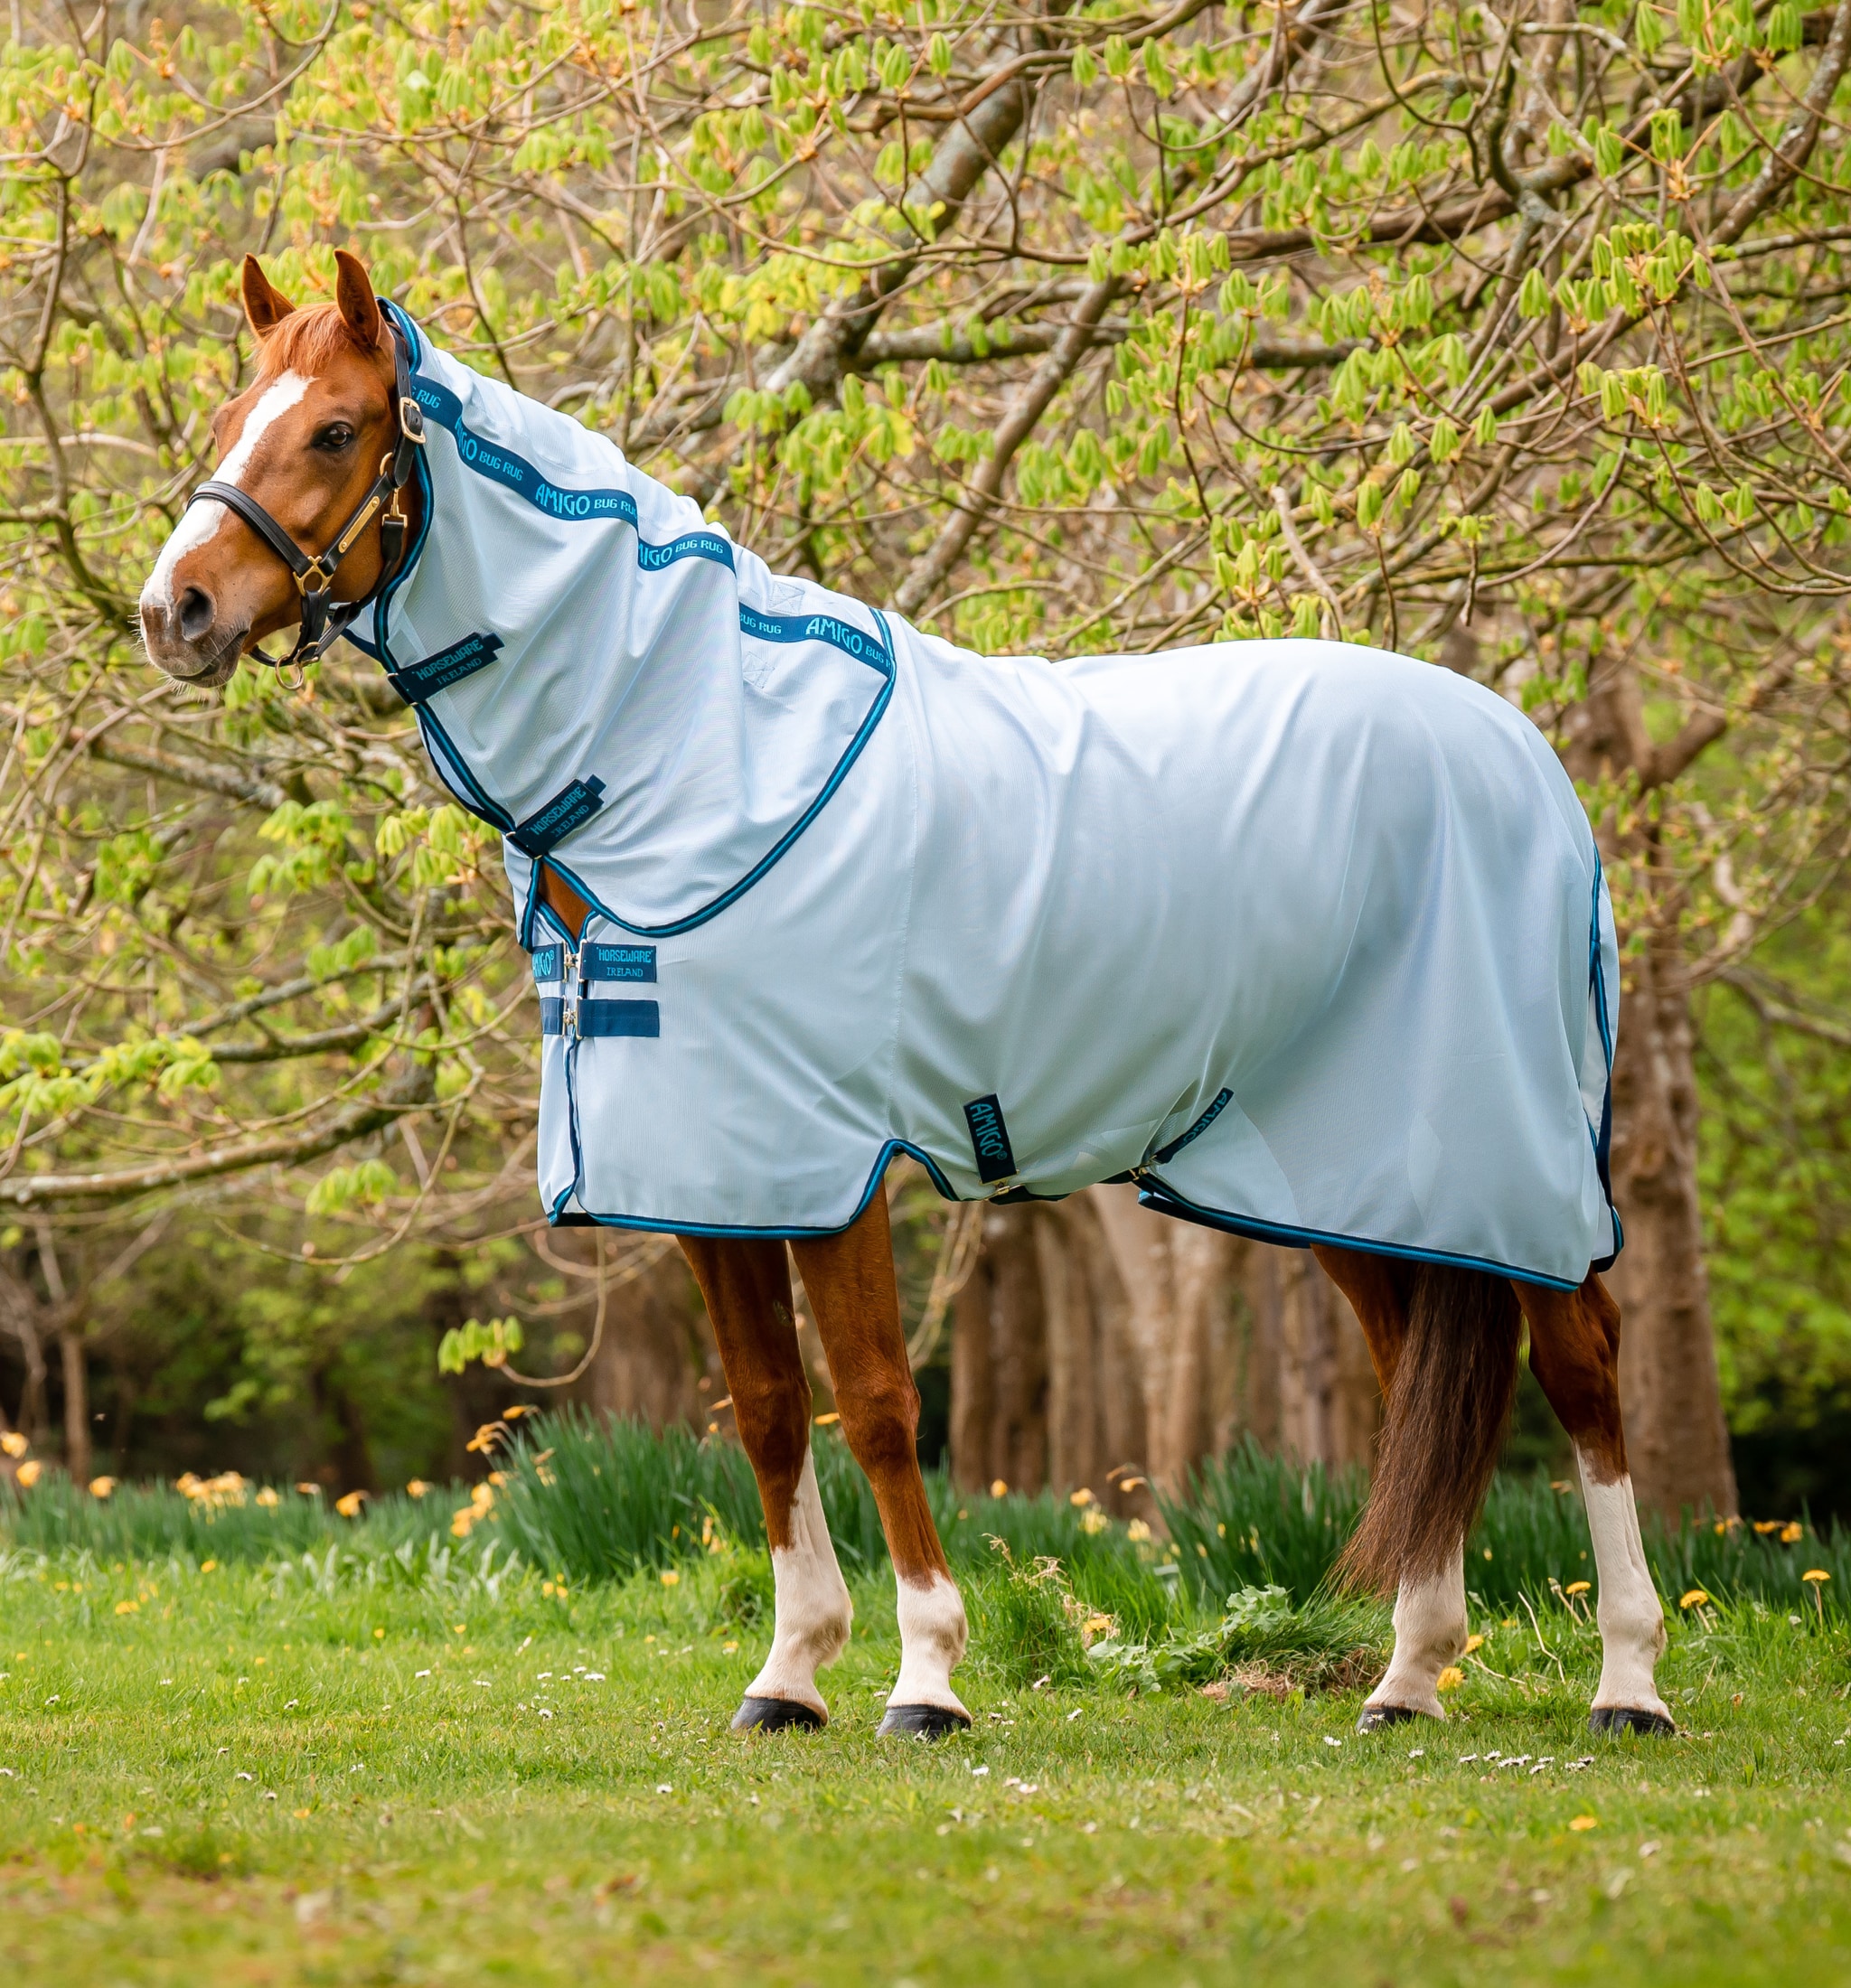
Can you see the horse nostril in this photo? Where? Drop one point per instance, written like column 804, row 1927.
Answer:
column 196, row 613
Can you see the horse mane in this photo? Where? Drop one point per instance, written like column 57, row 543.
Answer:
column 309, row 340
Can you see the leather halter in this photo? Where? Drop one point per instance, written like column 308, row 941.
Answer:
column 323, row 619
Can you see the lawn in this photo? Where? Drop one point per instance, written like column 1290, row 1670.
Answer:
column 336, row 1768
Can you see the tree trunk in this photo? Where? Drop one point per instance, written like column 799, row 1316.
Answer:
column 77, row 1406
column 1179, row 1279
column 1675, row 1438
column 1096, row 1390
column 1314, row 1392
column 999, row 1383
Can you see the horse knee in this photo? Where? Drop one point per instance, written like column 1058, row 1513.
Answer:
column 882, row 1424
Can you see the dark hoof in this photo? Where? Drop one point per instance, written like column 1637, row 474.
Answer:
column 1616, row 1718
column 921, row 1722
column 1375, row 1718
column 775, row 1715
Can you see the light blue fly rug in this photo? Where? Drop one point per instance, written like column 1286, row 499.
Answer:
column 1308, row 940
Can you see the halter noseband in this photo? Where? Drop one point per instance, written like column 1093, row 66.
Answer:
column 323, row 619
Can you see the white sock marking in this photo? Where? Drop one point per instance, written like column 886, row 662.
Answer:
column 200, row 521
column 931, row 1642
column 1429, row 1634
column 1629, row 1613
column 814, row 1610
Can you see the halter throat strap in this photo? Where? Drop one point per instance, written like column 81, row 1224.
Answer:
column 323, row 619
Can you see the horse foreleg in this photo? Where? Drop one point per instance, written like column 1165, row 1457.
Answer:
column 748, row 1290
column 1430, row 1618
column 849, row 1279
column 1574, row 1355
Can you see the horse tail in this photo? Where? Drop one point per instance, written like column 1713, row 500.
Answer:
column 1448, row 1403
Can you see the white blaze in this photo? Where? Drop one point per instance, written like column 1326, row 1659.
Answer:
column 1629, row 1613
column 813, row 1609
column 1429, row 1634
column 201, row 520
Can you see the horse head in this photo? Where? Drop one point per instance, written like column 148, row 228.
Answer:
column 303, row 442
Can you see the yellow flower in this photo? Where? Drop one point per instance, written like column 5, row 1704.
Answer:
column 1694, row 1600
column 348, row 1505
column 1792, row 1533
column 1814, row 1574
column 484, row 1437
column 825, row 1421
column 1473, row 1643
column 1081, row 1496
column 998, row 1489
column 1578, row 1587
column 519, row 1409
column 127, row 1608
column 461, row 1520
column 29, row 1473
column 208, row 1566
column 1137, row 1531
column 1585, row 1822
column 310, row 1490
column 729, row 1649
column 13, row 1443
column 415, row 1488
column 670, row 1578
column 1095, row 1624
column 1769, row 1526
column 267, row 1498
column 101, row 1487
column 1092, row 1520
column 1450, row 1679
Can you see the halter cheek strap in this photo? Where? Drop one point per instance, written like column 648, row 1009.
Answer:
column 323, row 619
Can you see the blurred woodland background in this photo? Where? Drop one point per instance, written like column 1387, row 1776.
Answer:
column 1511, row 336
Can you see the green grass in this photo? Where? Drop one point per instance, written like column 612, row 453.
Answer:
column 244, row 1778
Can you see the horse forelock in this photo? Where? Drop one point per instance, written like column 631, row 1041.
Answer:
column 312, row 340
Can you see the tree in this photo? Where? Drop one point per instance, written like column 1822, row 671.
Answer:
column 1507, row 338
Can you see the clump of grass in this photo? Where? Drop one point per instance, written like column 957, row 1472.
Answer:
column 1261, row 1644
column 1252, row 1520
column 1026, row 1622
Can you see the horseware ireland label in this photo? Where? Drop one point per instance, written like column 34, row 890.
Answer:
column 989, row 1138
column 566, row 811
column 607, row 962
column 418, row 680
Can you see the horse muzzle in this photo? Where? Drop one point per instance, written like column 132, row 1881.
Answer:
column 187, row 638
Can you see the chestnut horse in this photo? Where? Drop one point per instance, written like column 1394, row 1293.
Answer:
column 315, row 453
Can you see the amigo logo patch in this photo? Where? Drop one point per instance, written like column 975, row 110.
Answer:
column 990, row 1140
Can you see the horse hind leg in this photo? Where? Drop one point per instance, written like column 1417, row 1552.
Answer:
column 1444, row 1343
column 747, row 1289
column 849, row 1279
column 1574, row 1355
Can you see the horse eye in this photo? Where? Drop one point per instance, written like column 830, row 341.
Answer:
column 335, row 438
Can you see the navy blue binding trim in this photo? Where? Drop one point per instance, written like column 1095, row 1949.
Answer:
column 557, row 1217
column 601, row 1018
column 1604, row 1137
column 1165, row 1154
column 1165, row 1200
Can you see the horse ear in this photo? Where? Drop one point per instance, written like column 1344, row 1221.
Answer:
column 360, row 310
column 265, row 306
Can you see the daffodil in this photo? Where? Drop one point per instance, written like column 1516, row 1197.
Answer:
column 998, row 1489
column 269, row 1499
column 29, row 1473
column 415, row 1488
column 1792, row 1533
column 670, row 1578
column 102, row 1487
column 827, row 1421
column 348, row 1505
column 13, row 1443
column 1081, row 1496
